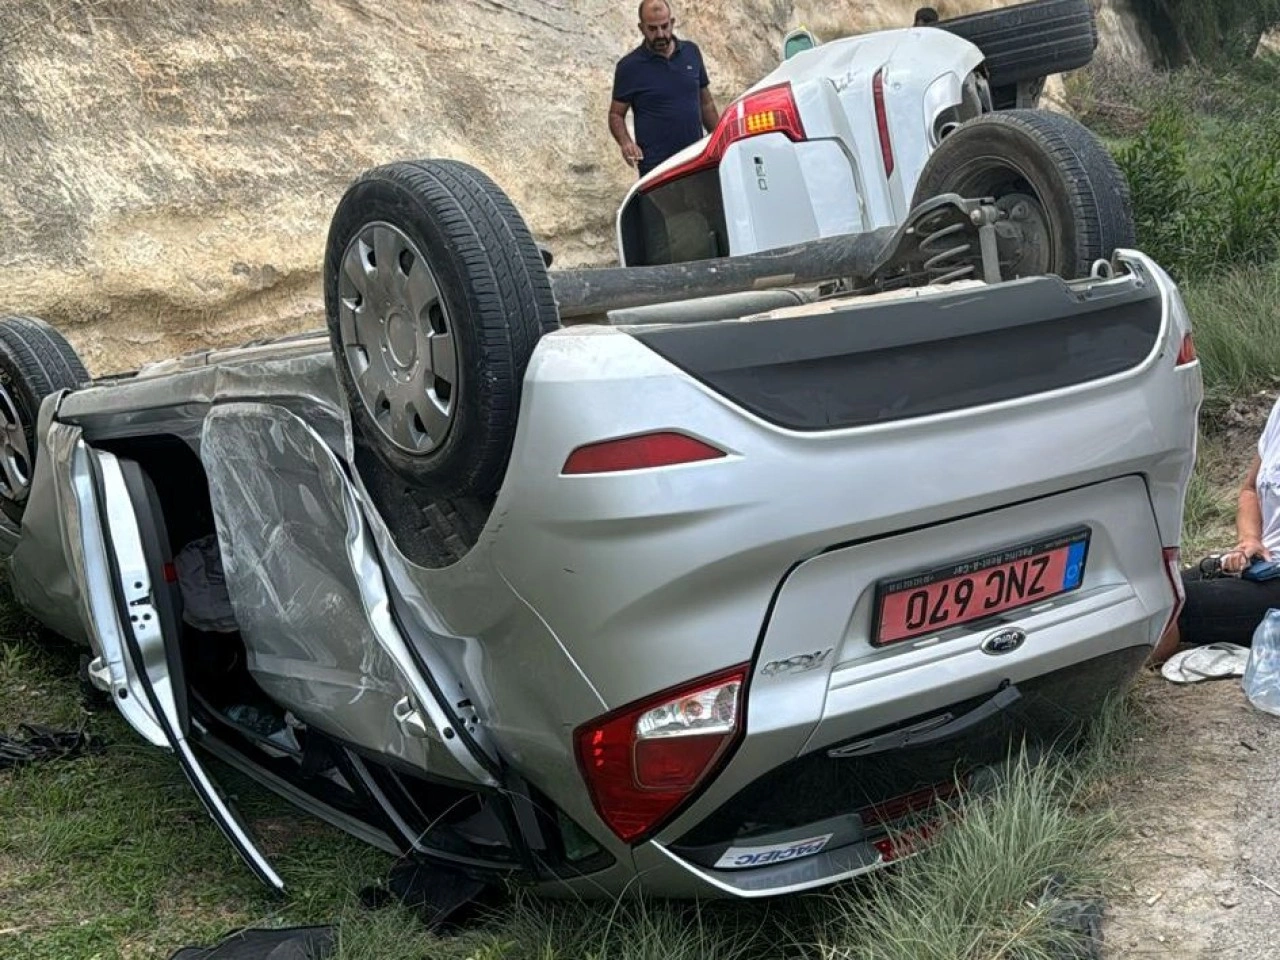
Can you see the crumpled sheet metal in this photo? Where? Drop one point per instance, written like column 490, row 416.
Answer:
column 47, row 563
column 304, row 383
column 306, row 588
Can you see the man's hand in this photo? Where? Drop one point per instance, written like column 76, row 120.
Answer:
column 1245, row 552
column 632, row 153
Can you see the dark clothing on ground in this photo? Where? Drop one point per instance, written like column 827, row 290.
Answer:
column 1224, row 609
column 665, row 96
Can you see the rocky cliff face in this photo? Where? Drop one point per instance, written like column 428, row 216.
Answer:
column 169, row 167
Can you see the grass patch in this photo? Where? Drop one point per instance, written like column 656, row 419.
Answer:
column 1209, row 515
column 970, row 896
column 1117, row 96
column 1236, row 323
column 112, row 855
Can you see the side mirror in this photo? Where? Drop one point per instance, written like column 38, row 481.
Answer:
column 797, row 41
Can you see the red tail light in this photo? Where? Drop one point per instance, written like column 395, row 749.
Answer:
column 641, row 762
column 904, row 844
column 771, row 110
column 882, row 122
column 1186, row 350
column 639, row 453
column 1171, row 556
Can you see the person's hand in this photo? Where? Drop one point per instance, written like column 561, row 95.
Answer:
column 1245, row 552
column 632, row 153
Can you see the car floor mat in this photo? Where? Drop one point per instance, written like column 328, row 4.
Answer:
column 443, row 899
column 292, row 943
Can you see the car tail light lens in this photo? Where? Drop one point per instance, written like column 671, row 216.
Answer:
column 641, row 762
column 771, row 110
column 904, row 844
column 639, row 453
column 882, row 121
column 1171, row 557
column 1186, row 350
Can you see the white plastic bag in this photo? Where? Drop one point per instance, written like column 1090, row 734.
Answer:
column 1261, row 680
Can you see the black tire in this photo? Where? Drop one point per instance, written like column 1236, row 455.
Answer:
column 35, row 361
column 1030, row 40
column 1082, row 210
column 491, row 283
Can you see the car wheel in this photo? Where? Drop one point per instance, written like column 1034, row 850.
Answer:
column 1030, row 40
column 435, row 296
column 1065, row 197
column 35, row 361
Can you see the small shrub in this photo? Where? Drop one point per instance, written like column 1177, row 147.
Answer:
column 1241, row 208
column 1155, row 164
column 1203, row 205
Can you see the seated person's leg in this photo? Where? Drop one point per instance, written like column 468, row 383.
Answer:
column 1218, row 610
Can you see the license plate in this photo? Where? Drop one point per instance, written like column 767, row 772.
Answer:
column 935, row 600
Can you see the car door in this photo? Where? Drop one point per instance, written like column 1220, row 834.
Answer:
column 138, row 626
column 322, row 634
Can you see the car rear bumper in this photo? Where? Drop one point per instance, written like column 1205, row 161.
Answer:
column 821, row 795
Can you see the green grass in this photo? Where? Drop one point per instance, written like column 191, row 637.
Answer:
column 113, row 855
column 1208, row 518
column 1236, row 323
column 1201, row 153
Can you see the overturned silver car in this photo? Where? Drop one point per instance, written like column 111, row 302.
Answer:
column 707, row 593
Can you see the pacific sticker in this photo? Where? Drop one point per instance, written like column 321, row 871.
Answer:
column 739, row 858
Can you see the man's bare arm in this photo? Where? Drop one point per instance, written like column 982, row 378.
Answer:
column 618, row 128
column 710, row 115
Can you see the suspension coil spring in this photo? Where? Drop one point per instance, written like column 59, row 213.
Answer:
column 945, row 259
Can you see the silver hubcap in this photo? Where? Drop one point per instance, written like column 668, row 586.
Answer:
column 15, row 455
column 398, row 339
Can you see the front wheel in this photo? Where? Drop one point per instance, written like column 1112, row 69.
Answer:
column 436, row 295
column 35, row 361
column 1067, row 203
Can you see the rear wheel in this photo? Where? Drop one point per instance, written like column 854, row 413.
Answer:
column 435, row 296
column 1030, row 40
column 1067, row 203
column 35, row 361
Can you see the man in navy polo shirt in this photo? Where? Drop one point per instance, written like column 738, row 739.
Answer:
column 665, row 82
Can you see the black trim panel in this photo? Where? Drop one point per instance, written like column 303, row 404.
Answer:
column 895, row 359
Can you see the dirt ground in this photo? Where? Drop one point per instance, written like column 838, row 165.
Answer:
column 1200, row 858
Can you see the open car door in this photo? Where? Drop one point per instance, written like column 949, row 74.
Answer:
column 124, row 538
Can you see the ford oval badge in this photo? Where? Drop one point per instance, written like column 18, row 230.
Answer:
column 1003, row 641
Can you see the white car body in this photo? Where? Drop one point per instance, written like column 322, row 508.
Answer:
column 839, row 179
